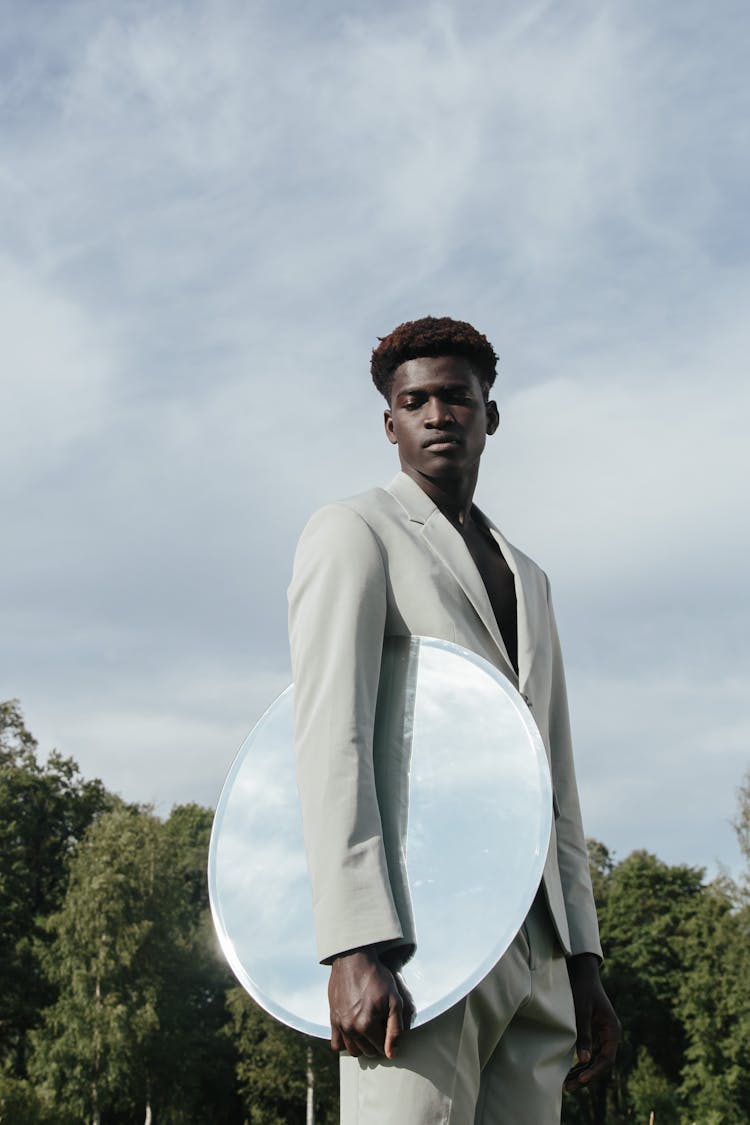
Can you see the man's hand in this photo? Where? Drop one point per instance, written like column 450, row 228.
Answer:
column 597, row 1025
column 370, row 1005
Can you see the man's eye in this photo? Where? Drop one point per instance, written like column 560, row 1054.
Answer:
column 410, row 404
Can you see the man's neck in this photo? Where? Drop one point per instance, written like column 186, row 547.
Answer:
column 454, row 497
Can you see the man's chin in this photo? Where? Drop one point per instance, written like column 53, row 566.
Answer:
column 442, row 472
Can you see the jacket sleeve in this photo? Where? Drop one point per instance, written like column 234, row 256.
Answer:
column 337, row 609
column 572, row 854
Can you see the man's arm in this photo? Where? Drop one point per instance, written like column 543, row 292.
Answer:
column 337, row 608
column 598, row 1029
column 572, row 854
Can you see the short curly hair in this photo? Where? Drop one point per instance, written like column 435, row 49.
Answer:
column 432, row 336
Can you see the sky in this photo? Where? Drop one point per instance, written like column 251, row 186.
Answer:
column 209, row 212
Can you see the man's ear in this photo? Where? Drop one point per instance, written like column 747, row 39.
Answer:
column 389, row 431
column 493, row 416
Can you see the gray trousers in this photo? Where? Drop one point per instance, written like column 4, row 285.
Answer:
column 498, row 1057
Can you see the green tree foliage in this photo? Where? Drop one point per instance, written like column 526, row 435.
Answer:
column 677, row 967
column 601, row 866
column 110, row 954
column 193, row 1006
column 715, row 994
column 714, row 1001
column 273, row 1068
column 649, row 1091
column 643, row 933
column 136, row 1030
column 643, row 907
column 19, row 1102
column 94, row 1051
column 742, row 830
column 44, row 811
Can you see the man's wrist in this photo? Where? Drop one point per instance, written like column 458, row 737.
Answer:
column 367, row 952
column 394, row 957
column 583, row 965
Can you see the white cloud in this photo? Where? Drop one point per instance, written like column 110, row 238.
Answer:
column 57, row 368
column 675, row 752
column 631, row 467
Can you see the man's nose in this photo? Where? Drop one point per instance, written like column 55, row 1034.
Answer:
column 439, row 414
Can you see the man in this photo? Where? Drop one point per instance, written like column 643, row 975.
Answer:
column 419, row 558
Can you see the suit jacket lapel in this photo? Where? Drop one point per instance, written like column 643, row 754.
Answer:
column 446, row 542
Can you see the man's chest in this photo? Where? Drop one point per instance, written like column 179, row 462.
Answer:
column 499, row 583
column 440, row 585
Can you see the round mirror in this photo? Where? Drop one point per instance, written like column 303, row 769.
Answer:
column 480, row 808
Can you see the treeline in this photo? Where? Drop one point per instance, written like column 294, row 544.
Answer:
column 677, row 969
column 116, row 1006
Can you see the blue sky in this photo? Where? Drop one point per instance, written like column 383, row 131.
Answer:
column 209, row 213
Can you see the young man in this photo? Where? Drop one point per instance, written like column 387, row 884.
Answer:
column 419, row 558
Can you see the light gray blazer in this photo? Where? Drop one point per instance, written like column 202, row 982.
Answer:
column 388, row 563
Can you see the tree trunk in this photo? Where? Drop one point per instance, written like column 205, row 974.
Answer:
column 310, row 1117
column 95, row 1115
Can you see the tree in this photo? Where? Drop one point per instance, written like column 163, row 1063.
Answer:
column 714, row 998
column 601, row 866
column 194, row 1074
column 714, row 1005
column 44, row 812
column 19, row 1102
column 273, row 1065
column 741, row 825
column 137, row 1030
column 112, row 937
column 643, row 923
column 644, row 906
column 649, row 1091
column 677, row 966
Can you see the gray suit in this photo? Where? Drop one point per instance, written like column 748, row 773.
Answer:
column 389, row 563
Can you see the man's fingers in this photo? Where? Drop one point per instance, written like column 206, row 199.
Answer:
column 409, row 1008
column 584, row 1073
column 584, row 1045
column 367, row 1002
column 357, row 1045
column 598, row 1067
column 571, row 1078
column 590, row 1068
column 359, row 1039
column 353, row 1044
column 340, row 1042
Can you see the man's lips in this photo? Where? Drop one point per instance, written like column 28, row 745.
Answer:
column 441, row 440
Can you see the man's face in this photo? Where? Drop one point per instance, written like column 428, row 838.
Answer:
column 438, row 418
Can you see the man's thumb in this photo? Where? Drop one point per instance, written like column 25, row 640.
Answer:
column 393, row 1027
